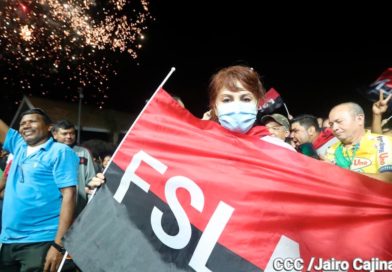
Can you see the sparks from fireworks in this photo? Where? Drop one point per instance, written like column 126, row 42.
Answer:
column 65, row 41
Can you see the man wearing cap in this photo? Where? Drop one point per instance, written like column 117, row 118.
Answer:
column 278, row 126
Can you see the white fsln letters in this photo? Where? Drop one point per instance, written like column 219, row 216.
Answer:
column 286, row 248
column 215, row 225
column 181, row 239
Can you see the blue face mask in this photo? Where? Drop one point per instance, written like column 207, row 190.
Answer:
column 237, row 116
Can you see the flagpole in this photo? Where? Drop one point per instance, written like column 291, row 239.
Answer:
column 385, row 121
column 115, row 152
column 163, row 82
column 287, row 111
column 63, row 261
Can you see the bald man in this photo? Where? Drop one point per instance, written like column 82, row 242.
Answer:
column 359, row 150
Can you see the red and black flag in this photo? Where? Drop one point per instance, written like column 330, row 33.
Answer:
column 382, row 84
column 271, row 102
column 184, row 194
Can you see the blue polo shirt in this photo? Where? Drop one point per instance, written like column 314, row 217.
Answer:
column 32, row 199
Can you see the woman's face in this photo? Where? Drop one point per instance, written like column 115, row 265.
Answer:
column 227, row 96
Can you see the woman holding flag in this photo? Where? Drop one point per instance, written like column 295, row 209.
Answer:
column 234, row 94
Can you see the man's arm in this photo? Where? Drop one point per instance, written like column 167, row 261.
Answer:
column 53, row 257
column 376, row 123
column 3, row 131
column 379, row 107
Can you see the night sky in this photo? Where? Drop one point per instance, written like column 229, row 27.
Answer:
column 314, row 56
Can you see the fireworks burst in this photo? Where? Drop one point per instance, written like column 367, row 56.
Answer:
column 47, row 44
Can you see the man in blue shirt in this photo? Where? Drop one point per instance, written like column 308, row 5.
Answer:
column 40, row 195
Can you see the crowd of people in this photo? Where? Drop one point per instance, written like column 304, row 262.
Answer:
column 48, row 181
